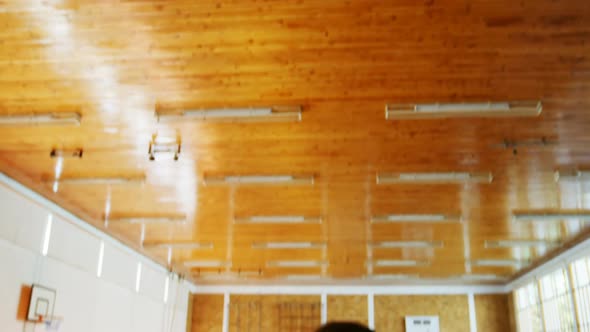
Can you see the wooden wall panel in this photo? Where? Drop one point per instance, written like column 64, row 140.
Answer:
column 349, row 308
column 492, row 313
column 207, row 313
column 453, row 311
column 294, row 313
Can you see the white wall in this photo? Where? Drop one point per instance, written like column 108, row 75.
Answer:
column 86, row 301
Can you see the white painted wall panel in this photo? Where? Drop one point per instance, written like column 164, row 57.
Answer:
column 114, row 308
column 73, row 245
column 21, row 221
column 147, row 314
column 119, row 267
column 152, row 282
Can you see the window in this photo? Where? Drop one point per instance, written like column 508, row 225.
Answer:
column 557, row 302
column 528, row 309
column 581, row 285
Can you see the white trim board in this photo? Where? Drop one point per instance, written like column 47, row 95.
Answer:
column 349, row 290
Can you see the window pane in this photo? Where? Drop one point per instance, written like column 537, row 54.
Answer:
column 581, row 272
column 529, row 310
column 557, row 302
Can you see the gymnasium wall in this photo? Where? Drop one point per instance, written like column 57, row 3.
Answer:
column 87, row 302
column 491, row 311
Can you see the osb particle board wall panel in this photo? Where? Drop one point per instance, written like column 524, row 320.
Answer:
column 348, row 308
column 207, row 313
column 293, row 313
column 453, row 311
column 492, row 313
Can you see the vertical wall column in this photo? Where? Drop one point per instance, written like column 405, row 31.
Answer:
column 472, row 315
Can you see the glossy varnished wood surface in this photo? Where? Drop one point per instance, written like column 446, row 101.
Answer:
column 116, row 62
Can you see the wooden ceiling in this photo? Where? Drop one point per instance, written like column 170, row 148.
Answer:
column 118, row 62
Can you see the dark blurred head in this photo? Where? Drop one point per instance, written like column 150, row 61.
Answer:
column 343, row 327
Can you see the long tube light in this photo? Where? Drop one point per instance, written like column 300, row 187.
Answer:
column 179, row 245
column 260, row 114
column 278, row 220
column 453, row 110
column 572, row 175
column 150, row 220
column 552, row 216
column 499, row 262
column 416, row 218
column 390, row 276
column 481, row 277
column 303, row 277
column 136, row 179
column 206, row 264
column 519, row 243
column 399, row 263
column 288, row 245
column 297, row 263
column 434, row 177
column 226, row 275
column 57, row 118
column 258, row 179
column 408, row 244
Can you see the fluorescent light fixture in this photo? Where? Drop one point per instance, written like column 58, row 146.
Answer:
column 454, row 110
column 258, row 179
column 58, row 118
column 297, row 264
column 399, row 263
column 385, row 276
column 206, row 264
column 572, row 175
column 178, row 245
column 303, row 277
column 47, row 235
column 278, row 220
column 416, row 218
column 226, row 275
column 499, row 262
column 519, row 243
column 166, row 286
column 66, row 153
column 408, row 244
column 557, row 216
column 138, row 277
column 139, row 179
column 288, row 245
column 150, row 220
column 256, row 114
column 481, row 277
column 100, row 259
column 434, row 177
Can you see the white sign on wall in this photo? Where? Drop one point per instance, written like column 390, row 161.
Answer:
column 422, row 324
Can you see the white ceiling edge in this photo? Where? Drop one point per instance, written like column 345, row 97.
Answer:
column 580, row 250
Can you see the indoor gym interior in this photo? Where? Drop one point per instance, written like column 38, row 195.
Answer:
column 273, row 165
